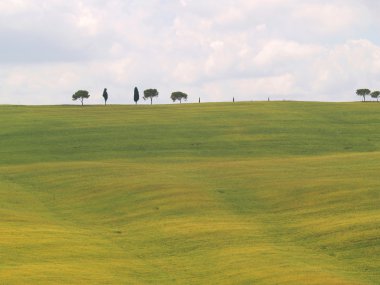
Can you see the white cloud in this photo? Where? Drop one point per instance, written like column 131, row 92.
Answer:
column 183, row 3
column 8, row 7
column 86, row 19
column 286, row 49
column 327, row 17
column 278, row 51
column 346, row 67
column 261, row 27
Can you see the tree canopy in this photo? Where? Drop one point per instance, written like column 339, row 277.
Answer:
column 150, row 94
column 178, row 95
column 81, row 95
column 363, row 92
column 375, row 94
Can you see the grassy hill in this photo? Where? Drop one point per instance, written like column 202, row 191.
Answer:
column 244, row 193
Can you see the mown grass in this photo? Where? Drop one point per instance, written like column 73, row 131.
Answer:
column 244, row 193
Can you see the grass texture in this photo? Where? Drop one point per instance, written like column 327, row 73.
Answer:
column 221, row 193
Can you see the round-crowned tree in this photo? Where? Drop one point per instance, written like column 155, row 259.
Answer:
column 81, row 95
column 150, row 94
column 363, row 93
column 375, row 95
column 178, row 96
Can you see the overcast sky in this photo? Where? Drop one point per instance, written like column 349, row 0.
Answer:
column 319, row 50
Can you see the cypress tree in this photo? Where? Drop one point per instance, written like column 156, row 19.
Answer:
column 105, row 96
column 136, row 95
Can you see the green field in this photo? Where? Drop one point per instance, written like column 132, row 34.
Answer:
column 222, row 193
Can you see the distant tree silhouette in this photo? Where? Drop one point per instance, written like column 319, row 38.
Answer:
column 178, row 96
column 105, row 96
column 81, row 95
column 363, row 93
column 375, row 94
column 136, row 95
column 150, row 94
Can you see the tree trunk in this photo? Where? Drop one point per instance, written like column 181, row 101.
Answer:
column 150, row 100
column 82, row 101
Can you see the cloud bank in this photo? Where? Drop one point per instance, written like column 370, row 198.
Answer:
column 247, row 49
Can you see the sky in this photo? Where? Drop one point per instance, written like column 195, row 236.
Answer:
column 314, row 50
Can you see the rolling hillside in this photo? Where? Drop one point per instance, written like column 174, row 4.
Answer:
column 222, row 193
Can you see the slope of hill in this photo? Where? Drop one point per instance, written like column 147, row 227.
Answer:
column 244, row 193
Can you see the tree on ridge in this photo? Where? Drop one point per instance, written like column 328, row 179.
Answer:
column 178, row 95
column 105, row 96
column 150, row 94
column 375, row 94
column 136, row 95
column 363, row 93
column 81, row 95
